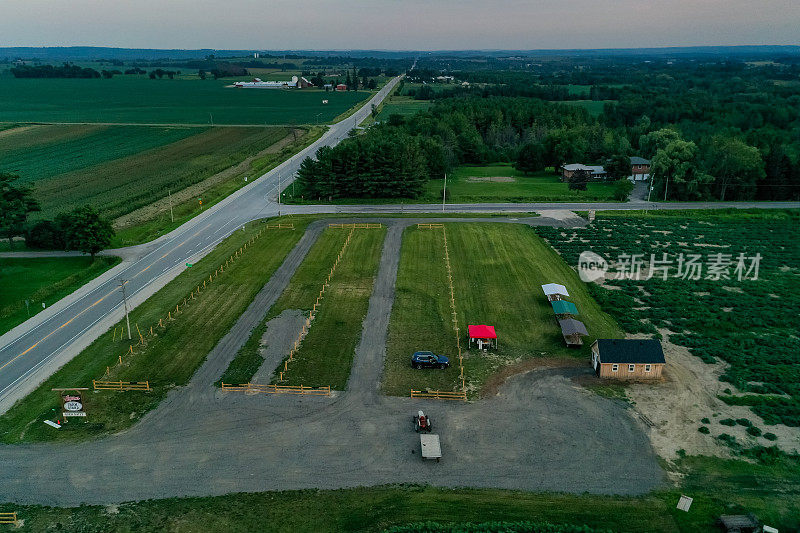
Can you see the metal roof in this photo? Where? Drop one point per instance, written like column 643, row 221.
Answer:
column 627, row 351
column 639, row 161
column 570, row 326
column 554, row 288
column 563, row 307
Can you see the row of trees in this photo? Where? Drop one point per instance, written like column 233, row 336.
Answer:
column 82, row 229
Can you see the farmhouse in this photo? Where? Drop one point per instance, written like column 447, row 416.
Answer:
column 640, row 169
column 597, row 171
column 341, row 87
column 483, row 336
column 628, row 358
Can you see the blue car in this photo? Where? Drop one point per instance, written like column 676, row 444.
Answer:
column 429, row 360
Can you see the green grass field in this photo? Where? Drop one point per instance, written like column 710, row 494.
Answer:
column 44, row 280
column 172, row 355
column 498, row 270
column 401, row 105
column 468, row 184
column 594, row 107
column 140, row 100
column 326, row 354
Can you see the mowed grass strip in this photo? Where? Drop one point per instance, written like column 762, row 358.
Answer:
column 42, row 280
column 498, row 270
column 171, row 357
column 326, row 353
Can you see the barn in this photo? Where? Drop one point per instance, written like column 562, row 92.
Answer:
column 628, row 359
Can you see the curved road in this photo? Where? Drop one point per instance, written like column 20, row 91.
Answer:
column 32, row 351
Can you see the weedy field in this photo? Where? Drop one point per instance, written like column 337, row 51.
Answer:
column 751, row 324
column 140, row 100
column 42, row 281
column 498, row 270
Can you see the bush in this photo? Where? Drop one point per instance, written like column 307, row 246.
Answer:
column 622, row 189
column 705, row 421
column 704, row 430
column 754, row 431
column 770, row 436
column 728, row 422
column 744, row 422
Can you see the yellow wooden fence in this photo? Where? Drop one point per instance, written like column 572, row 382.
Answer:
column 439, row 395
column 8, row 518
column 121, row 385
column 255, row 388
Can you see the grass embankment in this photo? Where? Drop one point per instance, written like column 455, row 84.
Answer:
column 326, row 354
column 717, row 486
column 160, row 221
column 498, row 270
column 503, row 183
column 171, row 356
column 42, row 280
column 179, row 101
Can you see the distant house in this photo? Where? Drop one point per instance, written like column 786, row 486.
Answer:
column 640, row 169
column 597, row 171
column 628, row 359
column 328, row 86
column 341, row 87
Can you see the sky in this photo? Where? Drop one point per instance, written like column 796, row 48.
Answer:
column 397, row 24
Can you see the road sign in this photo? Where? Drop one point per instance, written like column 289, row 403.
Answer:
column 72, row 404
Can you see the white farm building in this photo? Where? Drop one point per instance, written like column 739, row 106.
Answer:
column 257, row 83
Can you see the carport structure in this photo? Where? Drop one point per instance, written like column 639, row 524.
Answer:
column 554, row 291
column 563, row 307
column 573, row 330
column 483, row 336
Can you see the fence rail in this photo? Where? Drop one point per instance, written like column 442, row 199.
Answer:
column 356, row 226
column 428, row 225
column 439, row 395
column 121, row 385
column 255, row 388
column 8, row 518
column 281, row 225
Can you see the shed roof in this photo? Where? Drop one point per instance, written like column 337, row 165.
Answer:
column 481, row 332
column 554, row 288
column 563, row 307
column 570, row 326
column 626, row 351
column 635, row 160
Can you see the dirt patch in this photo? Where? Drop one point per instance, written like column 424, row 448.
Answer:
column 493, row 384
column 281, row 333
column 491, row 179
column 672, row 410
column 148, row 212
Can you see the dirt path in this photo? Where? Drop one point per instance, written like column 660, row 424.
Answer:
column 150, row 211
column 281, row 332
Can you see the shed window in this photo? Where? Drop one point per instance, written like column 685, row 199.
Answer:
column 614, row 368
column 647, row 368
column 631, row 368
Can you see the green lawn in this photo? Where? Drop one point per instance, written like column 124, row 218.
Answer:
column 172, row 355
column 401, row 105
column 469, row 184
column 42, row 280
column 498, row 270
column 140, row 100
column 326, row 354
column 594, row 107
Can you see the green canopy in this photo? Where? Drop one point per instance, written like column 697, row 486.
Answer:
column 563, row 307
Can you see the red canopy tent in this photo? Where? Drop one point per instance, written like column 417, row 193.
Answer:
column 482, row 334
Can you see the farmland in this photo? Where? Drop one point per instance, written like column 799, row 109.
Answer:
column 42, row 281
column 503, row 183
column 174, row 350
column 498, row 270
column 118, row 169
column 708, row 315
column 138, row 100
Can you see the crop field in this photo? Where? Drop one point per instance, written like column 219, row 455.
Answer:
column 498, row 270
column 326, row 353
column 503, row 183
column 751, row 324
column 139, row 100
column 118, row 169
column 171, row 354
column 401, row 105
column 42, row 281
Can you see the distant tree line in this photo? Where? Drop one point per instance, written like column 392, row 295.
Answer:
column 67, row 70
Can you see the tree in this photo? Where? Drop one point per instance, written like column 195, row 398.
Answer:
column 530, row 158
column 657, row 140
column 735, row 165
column 675, row 175
column 578, row 180
column 371, row 84
column 47, row 235
column 16, row 203
column 618, row 167
column 86, row 231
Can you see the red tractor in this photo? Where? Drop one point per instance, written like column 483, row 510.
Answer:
column 422, row 422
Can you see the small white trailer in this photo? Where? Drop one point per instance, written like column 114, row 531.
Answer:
column 431, row 449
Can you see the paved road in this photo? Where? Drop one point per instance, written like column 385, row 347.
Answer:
column 540, row 432
column 34, row 350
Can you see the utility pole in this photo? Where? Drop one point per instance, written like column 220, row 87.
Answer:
column 444, row 191
column 171, row 215
column 122, row 283
column 666, row 184
column 212, row 119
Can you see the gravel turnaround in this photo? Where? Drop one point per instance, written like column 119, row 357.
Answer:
column 541, row 432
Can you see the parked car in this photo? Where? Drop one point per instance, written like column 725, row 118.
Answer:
column 429, row 360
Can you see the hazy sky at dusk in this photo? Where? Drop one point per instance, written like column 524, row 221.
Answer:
column 397, row 24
